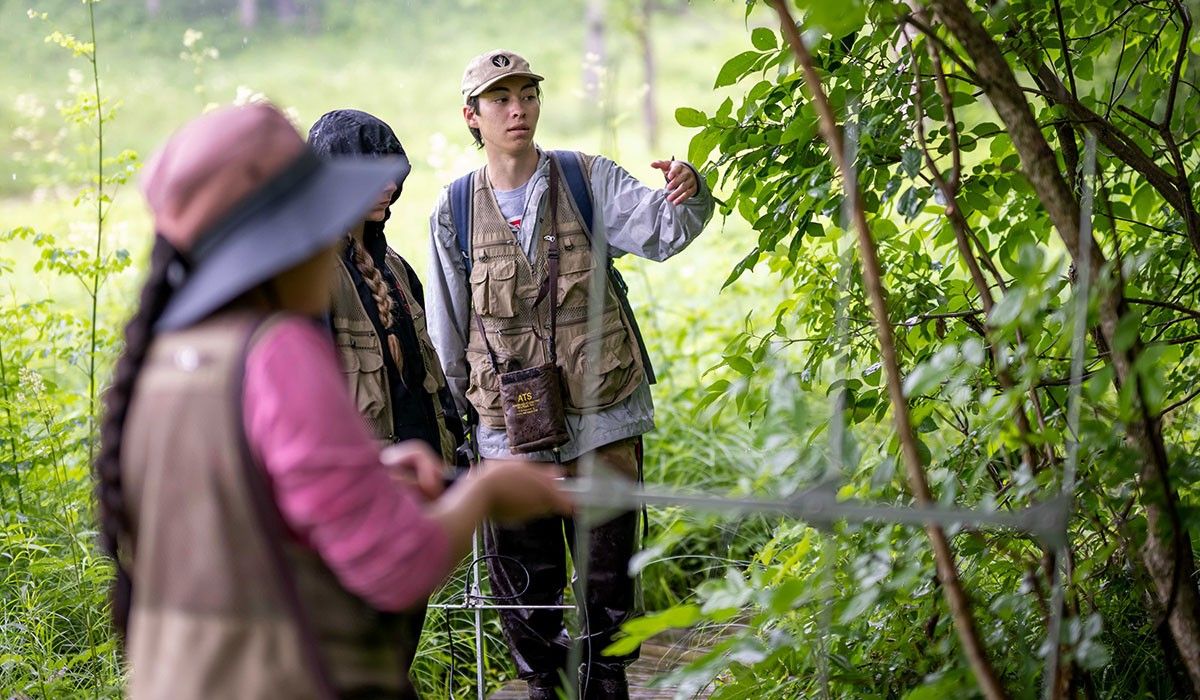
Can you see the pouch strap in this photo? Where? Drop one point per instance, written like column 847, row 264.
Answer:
column 483, row 333
column 549, row 286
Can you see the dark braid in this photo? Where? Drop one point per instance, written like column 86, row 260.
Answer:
column 139, row 332
column 379, row 290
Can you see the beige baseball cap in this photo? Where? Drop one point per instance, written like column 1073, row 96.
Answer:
column 487, row 68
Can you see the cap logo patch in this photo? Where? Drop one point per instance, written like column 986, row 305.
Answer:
column 500, row 61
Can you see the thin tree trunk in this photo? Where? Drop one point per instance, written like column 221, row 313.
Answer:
column 286, row 12
column 956, row 597
column 248, row 13
column 1167, row 552
column 649, row 98
column 595, row 59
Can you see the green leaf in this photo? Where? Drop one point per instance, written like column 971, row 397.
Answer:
column 746, row 263
column 1083, row 68
column 787, row 595
column 950, row 686
column 740, row 365
column 911, row 160
column 640, row 629
column 690, row 118
column 763, row 39
column 1008, row 309
column 837, row 18
column 735, row 68
column 1127, row 331
column 800, row 127
column 932, row 372
column 859, row 604
column 702, row 144
column 911, row 203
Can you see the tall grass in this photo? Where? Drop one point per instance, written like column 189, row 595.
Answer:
column 66, row 284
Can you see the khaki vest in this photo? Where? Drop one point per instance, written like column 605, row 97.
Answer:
column 361, row 355
column 212, row 616
column 504, row 285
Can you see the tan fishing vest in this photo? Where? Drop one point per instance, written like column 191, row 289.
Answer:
column 212, row 616
column 361, row 355
column 504, row 285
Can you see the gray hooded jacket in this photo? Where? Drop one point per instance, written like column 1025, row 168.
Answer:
column 637, row 220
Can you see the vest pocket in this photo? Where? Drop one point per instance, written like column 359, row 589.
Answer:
column 484, row 389
column 494, row 288
column 362, row 362
column 574, row 270
column 604, row 365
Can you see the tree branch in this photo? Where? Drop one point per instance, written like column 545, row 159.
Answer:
column 1181, row 402
column 949, row 189
column 1165, row 305
column 1167, row 553
column 945, row 48
column 956, row 597
column 1185, row 34
column 1065, row 46
column 1125, row 149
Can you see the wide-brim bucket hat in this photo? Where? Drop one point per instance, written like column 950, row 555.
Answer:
column 242, row 198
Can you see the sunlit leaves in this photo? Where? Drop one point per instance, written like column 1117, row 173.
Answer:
column 968, row 374
column 736, row 67
column 763, row 39
column 836, row 18
column 688, row 117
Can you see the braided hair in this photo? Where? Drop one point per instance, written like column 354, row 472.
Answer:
column 379, row 291
column 139, row 332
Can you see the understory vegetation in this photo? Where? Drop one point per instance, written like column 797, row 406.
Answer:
column 955, row 265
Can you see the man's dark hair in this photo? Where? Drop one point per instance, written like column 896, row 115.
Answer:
column 473, row 103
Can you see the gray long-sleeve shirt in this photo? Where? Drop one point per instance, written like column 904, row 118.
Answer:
column 635, row 218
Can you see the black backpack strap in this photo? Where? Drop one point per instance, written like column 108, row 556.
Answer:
column 581, row 193
column 622, row 289
column 461, row 193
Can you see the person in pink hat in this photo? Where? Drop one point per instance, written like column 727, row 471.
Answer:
column 264, row 546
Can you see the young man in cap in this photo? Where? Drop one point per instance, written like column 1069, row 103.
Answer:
column 494, row 234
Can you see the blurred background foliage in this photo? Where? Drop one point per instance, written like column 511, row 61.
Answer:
column 770, row 370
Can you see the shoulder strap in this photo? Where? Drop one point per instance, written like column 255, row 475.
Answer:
column 581, row 193
column 400, row 266
column 462, row 191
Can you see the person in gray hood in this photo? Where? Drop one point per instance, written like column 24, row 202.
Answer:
column 494, row 235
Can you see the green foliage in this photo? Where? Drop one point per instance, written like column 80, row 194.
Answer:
column 774, row 389
column 54, row 611
column 54, row 634
column 858, row 607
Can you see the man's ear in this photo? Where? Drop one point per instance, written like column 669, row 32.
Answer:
column 470, row 117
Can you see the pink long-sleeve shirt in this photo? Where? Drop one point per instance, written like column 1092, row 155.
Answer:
column 332, row 490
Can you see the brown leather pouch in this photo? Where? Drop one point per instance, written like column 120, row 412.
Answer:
column 534, row 419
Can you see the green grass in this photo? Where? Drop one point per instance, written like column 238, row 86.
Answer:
column 401, row 61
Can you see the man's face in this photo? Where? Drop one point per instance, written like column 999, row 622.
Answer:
column 508, row 114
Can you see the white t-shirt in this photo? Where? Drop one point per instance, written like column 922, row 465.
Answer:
column 512, row 205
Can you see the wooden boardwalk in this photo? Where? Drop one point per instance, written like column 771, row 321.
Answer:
column 660, row 654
